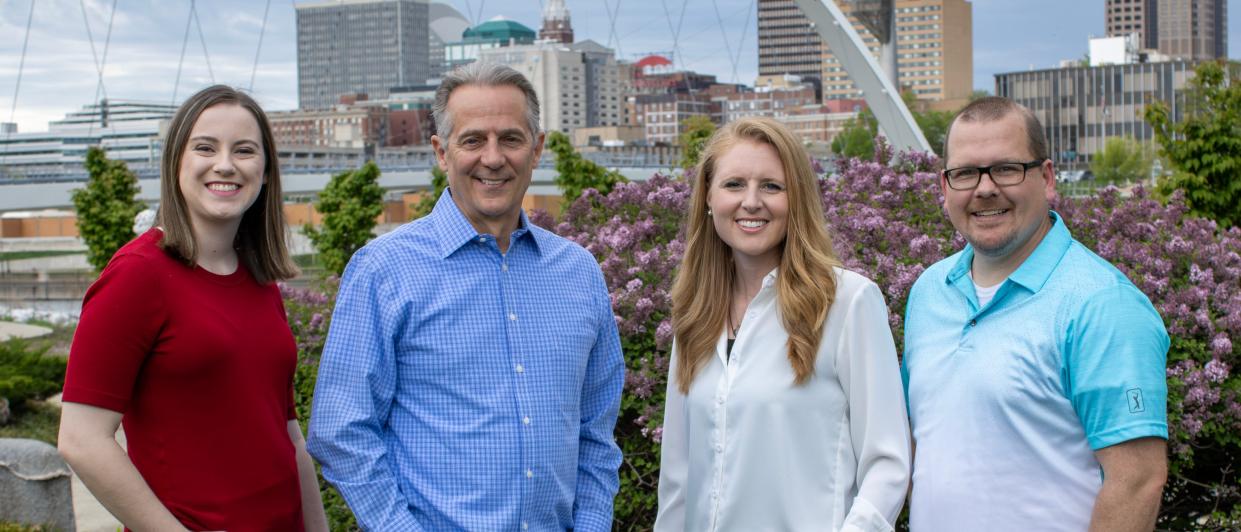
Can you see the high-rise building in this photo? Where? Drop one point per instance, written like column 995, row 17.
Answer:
column 1193, row 29
column 578, row 85
column 1126, row 17
column 934, row 49
column 359, row 47
column 556, row 24
column 786, row 42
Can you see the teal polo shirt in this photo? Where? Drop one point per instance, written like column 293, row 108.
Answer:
column 1009, row 401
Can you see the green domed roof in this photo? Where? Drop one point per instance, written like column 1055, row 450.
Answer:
column 500, row 29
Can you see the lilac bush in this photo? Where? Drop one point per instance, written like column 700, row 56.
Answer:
column 887, row 223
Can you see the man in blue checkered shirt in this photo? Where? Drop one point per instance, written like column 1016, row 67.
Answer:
column 473, row 372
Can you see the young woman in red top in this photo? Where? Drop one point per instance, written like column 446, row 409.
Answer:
column 183, row 339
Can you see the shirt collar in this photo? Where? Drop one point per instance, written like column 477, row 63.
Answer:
column 1036, row 269
column 454, row 230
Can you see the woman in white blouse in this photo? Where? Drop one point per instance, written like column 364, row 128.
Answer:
column 785, row 409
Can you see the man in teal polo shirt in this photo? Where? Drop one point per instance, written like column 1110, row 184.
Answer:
column 1034, row 370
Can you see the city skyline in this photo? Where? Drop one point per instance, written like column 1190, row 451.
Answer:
column 59, row 74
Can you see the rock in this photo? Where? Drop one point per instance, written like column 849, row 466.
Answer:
column 35, row 485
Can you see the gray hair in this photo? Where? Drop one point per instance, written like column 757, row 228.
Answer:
column 487, row 75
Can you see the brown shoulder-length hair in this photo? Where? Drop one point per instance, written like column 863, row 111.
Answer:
column 805, row 284
column 260, row 240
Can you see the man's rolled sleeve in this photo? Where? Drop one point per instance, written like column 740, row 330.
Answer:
column 1116, row 354
column 353, row 396
column 598, row 456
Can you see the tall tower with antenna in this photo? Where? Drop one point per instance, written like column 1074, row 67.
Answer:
column 556, row 26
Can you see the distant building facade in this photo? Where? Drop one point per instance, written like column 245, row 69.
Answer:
column 1127, row 17
column 934, row 49
column 360, row 46
column 579, row 85
column 1081, row 107
column 1193, row 29
column 130, row 131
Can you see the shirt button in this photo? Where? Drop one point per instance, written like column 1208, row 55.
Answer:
column 482, row 239
column 719, row 448
column 973, row 323
column 503, row 266
column 520, row 368
column 529, row 473
column 512, row 317
column 525, row 525
column 719, row 400
column 526, row 420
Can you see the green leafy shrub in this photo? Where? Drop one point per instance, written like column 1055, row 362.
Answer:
column 310, row 313
column 106, row 207
column 28, row 373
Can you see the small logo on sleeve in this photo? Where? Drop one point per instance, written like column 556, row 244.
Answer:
column 1136, row 404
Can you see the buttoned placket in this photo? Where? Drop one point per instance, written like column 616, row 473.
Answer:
column 511, row 321
column 732, row 363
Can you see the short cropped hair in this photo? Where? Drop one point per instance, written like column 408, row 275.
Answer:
column 992, row 108
column 487, row 75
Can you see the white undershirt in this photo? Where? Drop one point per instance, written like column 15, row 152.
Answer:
column 985, row 293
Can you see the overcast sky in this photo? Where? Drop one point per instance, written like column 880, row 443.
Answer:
column 145, row 46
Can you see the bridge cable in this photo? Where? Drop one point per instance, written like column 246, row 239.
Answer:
column 99, row 63
column 745, row 28
column 198, row 24
column 676, row 30
column 259, row 48
column 612, row 16
column 185, row 41
column 728, row 47
column 17, row 86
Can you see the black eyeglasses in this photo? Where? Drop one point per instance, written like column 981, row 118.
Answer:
column 1002, row 174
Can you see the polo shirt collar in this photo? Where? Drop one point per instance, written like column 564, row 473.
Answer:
column 455, row 230
column 1037, row 268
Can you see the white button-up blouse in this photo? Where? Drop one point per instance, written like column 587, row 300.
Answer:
column 747, row 450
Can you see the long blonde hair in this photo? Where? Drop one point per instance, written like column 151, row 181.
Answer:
column 806, row 284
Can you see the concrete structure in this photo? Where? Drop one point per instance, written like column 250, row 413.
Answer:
column 494, row 33
column 556, row 24
column 129, row 131
column 1080, row 107
column 361, row 47
column 1115, row 50
column 1127, row 17
column 934, row 49
column 1193, row 29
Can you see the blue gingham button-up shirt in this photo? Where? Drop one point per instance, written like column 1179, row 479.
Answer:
column 466, row 389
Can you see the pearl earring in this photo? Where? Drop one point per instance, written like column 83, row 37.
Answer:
column 709, row 211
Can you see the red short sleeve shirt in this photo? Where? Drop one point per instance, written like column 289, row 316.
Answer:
column 201, row 366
